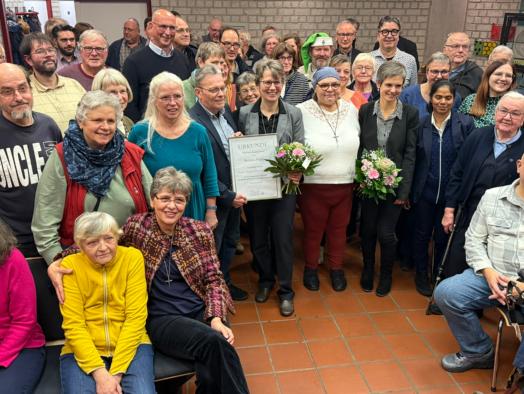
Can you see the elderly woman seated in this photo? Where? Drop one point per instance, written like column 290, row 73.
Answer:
column 107, row 349
column 188, row 298
column 94, row 169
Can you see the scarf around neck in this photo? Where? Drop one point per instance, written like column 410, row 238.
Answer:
column 92, row 168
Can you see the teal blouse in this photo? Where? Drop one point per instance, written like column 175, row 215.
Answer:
column 190, row 153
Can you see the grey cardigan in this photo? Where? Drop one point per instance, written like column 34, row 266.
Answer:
column 290, row 127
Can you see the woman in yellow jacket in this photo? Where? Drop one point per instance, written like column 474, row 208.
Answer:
column 107, row 349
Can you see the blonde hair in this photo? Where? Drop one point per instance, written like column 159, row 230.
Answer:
column 151, row 114
column 94, row 224
column 110, row 76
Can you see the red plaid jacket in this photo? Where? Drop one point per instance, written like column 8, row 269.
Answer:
column 195, row 253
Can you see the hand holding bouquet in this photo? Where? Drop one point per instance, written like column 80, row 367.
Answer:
column 377, row 175
column 294, row 158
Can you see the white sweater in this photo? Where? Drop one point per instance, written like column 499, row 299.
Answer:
column 338, row 163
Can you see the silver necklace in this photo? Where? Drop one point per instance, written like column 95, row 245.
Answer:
column 333, row 130
column 167, row 266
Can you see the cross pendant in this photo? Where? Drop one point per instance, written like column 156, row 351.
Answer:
column 168, row 281
column 336, row 138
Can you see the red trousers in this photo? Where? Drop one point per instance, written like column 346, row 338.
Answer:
column 325, row 209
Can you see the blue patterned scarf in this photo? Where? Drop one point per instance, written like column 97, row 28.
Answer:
column 92, row 168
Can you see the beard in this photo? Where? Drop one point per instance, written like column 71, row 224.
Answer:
column 67, row 51
column 19, row 115
column 319, row 63
column 44, row 69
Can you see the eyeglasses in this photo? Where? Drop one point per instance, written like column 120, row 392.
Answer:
column 216, row 90
column 10, row 92
column 437, row 72
column 181, row 30
column 164, row 27
column 228, row 44
column 171, row 97
column 268, row 84
column 346, row 35
column 94, row 49
column 512, row 114
column 248, row 90
column 327, row 86
column 175, row 200
column 500, row 74
column 457, row 46
column 286, row 58
column 363, row 68
column 45, row 51
column 386, row 32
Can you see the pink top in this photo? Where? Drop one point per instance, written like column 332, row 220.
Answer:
column 18, row 326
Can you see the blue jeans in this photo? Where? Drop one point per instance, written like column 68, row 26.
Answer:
column 458, row 298
column 139, row 378
column 22, row 376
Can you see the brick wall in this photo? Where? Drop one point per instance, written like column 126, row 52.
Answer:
column 304, row 17
column 480, row 14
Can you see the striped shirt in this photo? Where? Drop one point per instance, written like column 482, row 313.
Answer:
column 495, row 237
column 60, row 102
column 407, row 60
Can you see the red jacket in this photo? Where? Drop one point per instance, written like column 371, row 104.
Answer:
column 76, row 193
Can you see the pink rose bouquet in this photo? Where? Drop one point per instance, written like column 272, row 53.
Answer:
column 377, row 175
column 293, row 157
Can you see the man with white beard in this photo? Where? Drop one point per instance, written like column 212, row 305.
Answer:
column 27, row 139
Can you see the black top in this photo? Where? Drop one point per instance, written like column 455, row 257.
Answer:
column 268, row 125
column 170, row 294
column 140, row 68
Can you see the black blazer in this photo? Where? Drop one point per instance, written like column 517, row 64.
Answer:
column 113, row 53
column 460, row 126
column 401, row 144
column 465, row 173
column 199, row 114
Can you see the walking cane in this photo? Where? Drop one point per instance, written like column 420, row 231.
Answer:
column 444, row 258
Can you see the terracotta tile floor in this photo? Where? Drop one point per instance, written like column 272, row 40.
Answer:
column 349, row 342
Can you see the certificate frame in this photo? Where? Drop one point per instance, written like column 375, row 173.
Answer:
column 248, row 156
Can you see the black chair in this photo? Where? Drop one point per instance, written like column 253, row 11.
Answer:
column 176, row 371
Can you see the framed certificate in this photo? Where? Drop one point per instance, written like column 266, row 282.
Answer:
column 248, row 156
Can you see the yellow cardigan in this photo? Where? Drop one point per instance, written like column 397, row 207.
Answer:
column 105, row 310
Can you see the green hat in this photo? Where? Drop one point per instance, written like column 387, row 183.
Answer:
column 315, row 39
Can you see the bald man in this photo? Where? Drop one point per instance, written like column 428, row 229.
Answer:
column 27, row 139
column 159, row 55
column 465, row 74
column 120, row 49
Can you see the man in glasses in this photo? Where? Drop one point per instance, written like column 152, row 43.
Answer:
column 93, row 52
column 465, row 74
column 230, row 41
column 213, row 31
column 346, row 34
column 120, row 49
column 157, row 56
column 54, row 95
column 27, row 138
column 388, row 36
column 182, row 42
column 212, row 112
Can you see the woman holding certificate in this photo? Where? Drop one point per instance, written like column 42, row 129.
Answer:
column 273, row 218
column 332, row 130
